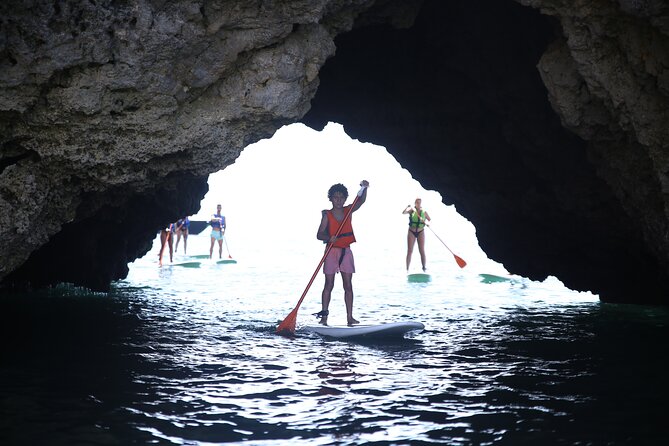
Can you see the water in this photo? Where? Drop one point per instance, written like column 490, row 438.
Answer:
column 179, row 355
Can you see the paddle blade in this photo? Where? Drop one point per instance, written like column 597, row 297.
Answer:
column 460, row 261
column 287, row 327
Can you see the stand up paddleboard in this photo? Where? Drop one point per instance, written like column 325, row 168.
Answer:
column 491, row 278
column 390, row 330
column 187, row 264
column 419, row 277
column 225, row 261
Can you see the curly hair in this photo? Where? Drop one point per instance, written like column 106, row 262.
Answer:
column 337, row 188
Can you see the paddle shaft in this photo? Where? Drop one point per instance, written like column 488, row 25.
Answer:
column 438, row 238
column 459, row 260
column 226, row 247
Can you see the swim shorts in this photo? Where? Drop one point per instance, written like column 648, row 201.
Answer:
column 335, row 263
column 217, row 235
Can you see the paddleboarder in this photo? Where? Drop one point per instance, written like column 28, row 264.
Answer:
column 166, row 238
column 217, row 222
column 417, row 217
column 340, row 257
column 182, row 231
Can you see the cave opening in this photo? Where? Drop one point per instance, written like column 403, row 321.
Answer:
column 281, row 212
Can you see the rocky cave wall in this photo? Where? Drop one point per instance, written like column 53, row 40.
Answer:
column 544, row 122
column 114, row 113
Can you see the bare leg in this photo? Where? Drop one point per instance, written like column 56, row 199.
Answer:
column 220, row 249
column 211, row 248
column 348, row 297
column 411, row 240
column 163, row 240
column 421, row 248
column 169, row 242
column 326, row 295
column 176, row 247
column 185, row 240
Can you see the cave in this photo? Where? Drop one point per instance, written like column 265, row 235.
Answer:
column 504, row 107
column 461, row 104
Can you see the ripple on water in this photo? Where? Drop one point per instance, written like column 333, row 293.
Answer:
column 191, row 356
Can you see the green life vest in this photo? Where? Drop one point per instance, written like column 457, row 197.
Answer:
column 415, row 221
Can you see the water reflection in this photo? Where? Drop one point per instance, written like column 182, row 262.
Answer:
column 173, row 358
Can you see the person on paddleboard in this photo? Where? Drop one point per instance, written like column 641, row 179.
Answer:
column 340, row 257
column 217, row 222
column 166, row 237
column 417, row 218
column 182, row 231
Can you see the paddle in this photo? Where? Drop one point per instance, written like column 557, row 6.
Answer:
column 288, row 324
column 226, row 247
column 461, row 263
column 459, row 260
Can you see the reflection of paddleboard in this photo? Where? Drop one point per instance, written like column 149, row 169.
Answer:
column 491, row 278
column 419, row 277
column 187, row 264
column 226, row 261
column 390, row 330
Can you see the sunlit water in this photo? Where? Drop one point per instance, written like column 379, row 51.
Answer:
column 179, row 355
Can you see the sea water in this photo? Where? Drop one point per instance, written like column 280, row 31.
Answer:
column 189, row 355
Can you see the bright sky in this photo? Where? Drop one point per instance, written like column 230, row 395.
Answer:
column 277, row 187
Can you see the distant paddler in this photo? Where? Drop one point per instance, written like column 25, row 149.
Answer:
column 182, row 231
column 166, row 239
column 217, row 222
column 417, row 217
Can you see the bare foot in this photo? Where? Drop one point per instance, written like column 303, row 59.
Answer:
column 324, row 320
column 352, row 321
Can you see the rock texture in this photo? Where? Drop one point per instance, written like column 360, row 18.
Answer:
column 544, row 121
column 113, row 106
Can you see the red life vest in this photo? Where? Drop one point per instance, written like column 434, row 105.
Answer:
column 346, row 236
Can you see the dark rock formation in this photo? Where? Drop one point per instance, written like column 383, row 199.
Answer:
column 459, row 101
column 545, row 122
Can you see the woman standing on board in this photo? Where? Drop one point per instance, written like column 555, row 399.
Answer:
column 217, row 222
column 182, row 230
column 340, row 257
column 417, row 219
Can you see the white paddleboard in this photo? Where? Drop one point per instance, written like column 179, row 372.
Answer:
column 392, row 329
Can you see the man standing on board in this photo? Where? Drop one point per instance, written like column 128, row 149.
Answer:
column 340, row 257
column 217, row 223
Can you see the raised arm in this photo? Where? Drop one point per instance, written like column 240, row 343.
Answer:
column 363, row 197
